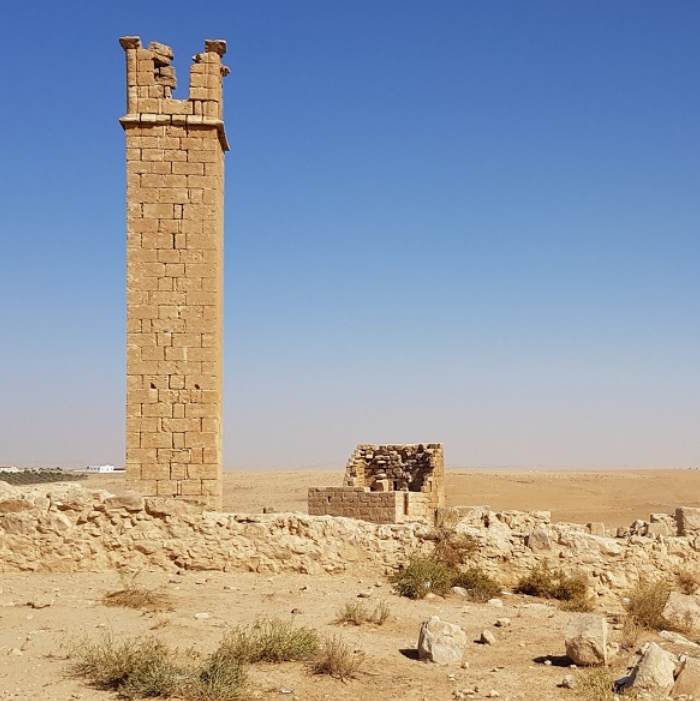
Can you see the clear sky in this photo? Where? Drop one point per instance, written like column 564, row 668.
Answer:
column 474, row 222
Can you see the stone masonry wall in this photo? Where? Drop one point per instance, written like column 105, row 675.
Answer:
column 66, row 528
column 387, row 484
column 175, row 174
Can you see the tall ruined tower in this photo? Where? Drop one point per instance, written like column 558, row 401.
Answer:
column 175, row 214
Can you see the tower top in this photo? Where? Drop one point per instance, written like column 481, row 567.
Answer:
column 150, row 80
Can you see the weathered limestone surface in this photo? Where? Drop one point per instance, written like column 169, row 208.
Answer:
column 441, row 642
column 175, row 176
column 654, row 671
column 587, row 640
column 387, row 484
column 64, row 527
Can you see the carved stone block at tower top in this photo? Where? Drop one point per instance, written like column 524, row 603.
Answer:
column 175, row 211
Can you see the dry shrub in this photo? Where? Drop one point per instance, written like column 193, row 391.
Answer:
column 646, row 602
column 134, row 596
column 269, row 640
column 423, row 575
column 479, row 585
column 221, row 677
column 452, row 548
column 688, row 580
column 541, row 580
column 337, row 659
column 356, row 613
column 630, row 634
column 135, row 669
column 596, row 685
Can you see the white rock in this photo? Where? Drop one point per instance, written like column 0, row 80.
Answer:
column 587, row 639
column 654, row 671
column 688, row 679
column 682, row 610
column 487, row 637
column 441, row 642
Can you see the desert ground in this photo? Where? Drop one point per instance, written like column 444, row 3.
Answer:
column 42, row 615
column 615, row 497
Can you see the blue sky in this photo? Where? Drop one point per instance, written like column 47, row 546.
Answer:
column 473, row 222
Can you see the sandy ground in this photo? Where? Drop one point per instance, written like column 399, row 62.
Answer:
column 615, row 497
column 34, row 642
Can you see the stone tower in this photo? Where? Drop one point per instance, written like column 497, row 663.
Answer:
column 175, row 211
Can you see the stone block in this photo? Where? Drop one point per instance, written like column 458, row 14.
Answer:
column 586, row 640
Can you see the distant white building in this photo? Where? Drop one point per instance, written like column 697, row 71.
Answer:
column 8, row 468
column 100, row 468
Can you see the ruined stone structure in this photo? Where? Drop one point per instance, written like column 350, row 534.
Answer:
column 175, row 179
column 386, row 484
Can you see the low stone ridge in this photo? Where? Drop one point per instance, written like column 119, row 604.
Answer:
column 65, row 527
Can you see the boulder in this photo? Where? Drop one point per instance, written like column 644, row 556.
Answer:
column 441, row 642
column 688, row 520
column 654, row 670
column 682, row 611
column 688, row 679
column 587, row 640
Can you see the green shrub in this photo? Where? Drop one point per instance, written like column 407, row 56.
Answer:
column 269, row 640
column 423, row 575
column 479, row 585
column 337, row 659
column 547, row 583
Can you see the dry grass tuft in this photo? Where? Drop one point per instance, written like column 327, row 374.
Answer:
column 270, row 640
column 596, row 685
column 356, row 613
column 134, row 596
column 133, row 668
column 337, row 659
column 645, row 604
column 688, row 580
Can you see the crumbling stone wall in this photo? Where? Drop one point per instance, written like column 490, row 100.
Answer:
column 66, row 528
column 175, row 174
column 386, row 484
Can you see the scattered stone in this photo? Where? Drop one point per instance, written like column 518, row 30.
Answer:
column 441, row 642
column 568, row 682
column 460, row 591
column 681, row 610
column 586, row 640
column 201, row 615
column 40, row 603
column 365, row 594
column 502, row 622
column 688, row 679
column 487, row 638
column 495, row 602
column 653, row 672
column 688, row 520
